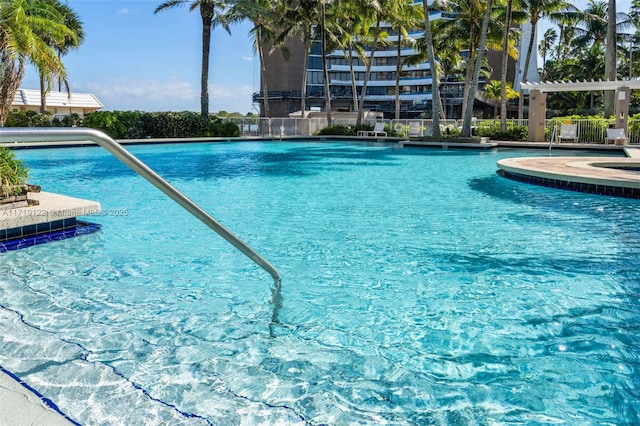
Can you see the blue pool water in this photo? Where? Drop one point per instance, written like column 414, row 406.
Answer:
column 418, row 288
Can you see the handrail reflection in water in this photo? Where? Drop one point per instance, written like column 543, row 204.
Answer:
column 19, row 134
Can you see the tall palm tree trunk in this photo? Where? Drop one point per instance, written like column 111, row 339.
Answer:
column 610, row 58
column 206, row 12
column 468, row 96
column 398, row 71
column 303, row 91
column 503, row 70
column 436, row 105
column 263, row 82
column 11, row 74
column 532, row 38
column 367, row 73
column 466, row 122
column 352, row 73
column 43, row 94
column 325, row 69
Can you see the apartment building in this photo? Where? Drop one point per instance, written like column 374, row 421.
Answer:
column 284, row 81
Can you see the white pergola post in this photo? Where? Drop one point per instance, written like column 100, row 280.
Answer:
column 537, row 115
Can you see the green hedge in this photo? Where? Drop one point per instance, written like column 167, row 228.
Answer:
column 492, row 130
column 133, row 124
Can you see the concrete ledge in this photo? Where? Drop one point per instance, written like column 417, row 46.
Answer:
column 445, row 144
column 618, row 177
column 52, row 208
column 21, row 406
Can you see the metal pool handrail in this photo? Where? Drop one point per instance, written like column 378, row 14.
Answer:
column 18, row 134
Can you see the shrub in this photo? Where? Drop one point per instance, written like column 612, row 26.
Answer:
column 117, row 124
column 12, row 170
column 139, row 125
column 28, row 119
column 492, row 130
column 340, row 130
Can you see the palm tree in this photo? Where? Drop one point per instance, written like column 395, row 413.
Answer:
column 353, row 45
column 71, row 20
column 299, row 18
column 21, row 24
column 610, row 66
column 503, row 68
column 592, row 25
column 379, row 12
column 567, row 23
column 598, row 26
column 494, row 92
column 468, row 26
column 436, row 104
column 450, row 63
column 404, row 16
column 325, row 69
column 210, row 19
column 546, row 45
column 537, row 9
column 509, row 34
column 261, row 14
column 479, row 54
column 351, row 28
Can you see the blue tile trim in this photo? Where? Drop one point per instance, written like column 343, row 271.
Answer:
column 80, row 228
column 590, row 188
column 49, row 403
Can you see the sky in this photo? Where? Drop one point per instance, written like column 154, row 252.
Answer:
column 133, row 59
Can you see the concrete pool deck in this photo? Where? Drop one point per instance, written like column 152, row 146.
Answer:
column 19, row 403
column 20, row 406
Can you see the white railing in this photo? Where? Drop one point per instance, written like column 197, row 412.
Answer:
column 589, row 131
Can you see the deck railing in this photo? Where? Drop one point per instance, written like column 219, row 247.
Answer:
column 589, row 131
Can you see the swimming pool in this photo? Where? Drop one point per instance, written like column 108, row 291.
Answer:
column 418, row 288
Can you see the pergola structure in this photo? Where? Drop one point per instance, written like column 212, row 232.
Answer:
column 538, row 101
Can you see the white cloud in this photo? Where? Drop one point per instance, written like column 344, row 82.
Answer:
column 122, row 11
column 230, row 92
column 145, row 95
column 247, row 58
column 168, row 95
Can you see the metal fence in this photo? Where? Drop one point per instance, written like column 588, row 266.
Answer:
column 589, row 131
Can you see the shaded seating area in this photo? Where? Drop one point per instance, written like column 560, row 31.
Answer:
column 538, row 102
column 616, row 136
column 378, row 130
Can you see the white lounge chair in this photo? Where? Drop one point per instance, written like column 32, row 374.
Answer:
column 415, row 131
column 616, row 136
column 568, row 131
column 378, row 130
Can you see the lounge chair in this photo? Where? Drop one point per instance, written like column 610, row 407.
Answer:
column 415, row 131
column 568, row 131
column 616, row 136
column 378, row 130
